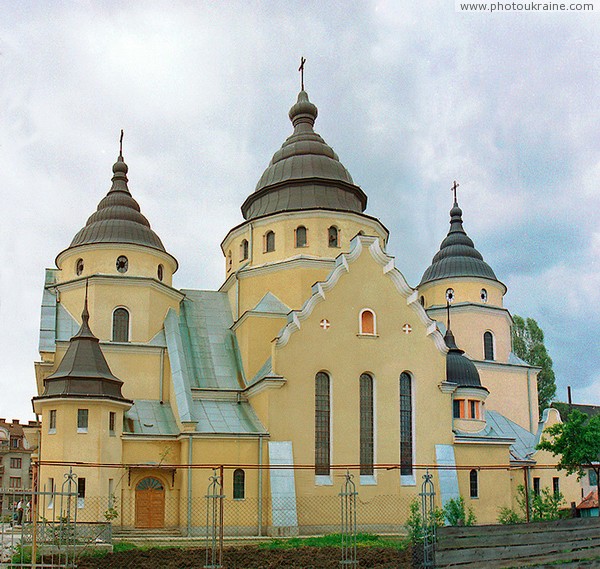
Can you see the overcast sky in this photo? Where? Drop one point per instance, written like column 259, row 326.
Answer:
column 411, row 95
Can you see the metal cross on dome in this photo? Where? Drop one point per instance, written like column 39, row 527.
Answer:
column 325, row 324
column 454, row 188
column 301, row 69
column 407, row 328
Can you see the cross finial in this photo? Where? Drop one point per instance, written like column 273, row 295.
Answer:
column 121, row 145
column 454, row 188
column 301, row 69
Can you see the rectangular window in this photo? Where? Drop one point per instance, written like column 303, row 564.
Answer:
column 15, row 482
column 52, row 421
column 593, row 477
column 15, row 463
column 111, row 492
column 536, row 486
column 50, row 488
column 80, row 492
column 112, row 420
column 556, row 485
column 456, row 408
column 82, row 420
column 14, row 442
column 474, row 409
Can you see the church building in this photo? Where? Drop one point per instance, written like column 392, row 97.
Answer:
column 315, row 353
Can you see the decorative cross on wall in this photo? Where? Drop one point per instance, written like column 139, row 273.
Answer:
column 325, row 324
column 407, row 328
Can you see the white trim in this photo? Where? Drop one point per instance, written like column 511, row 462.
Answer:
column 323, row 480
column 368, row 480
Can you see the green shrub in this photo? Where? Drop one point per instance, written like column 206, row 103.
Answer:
column 457, row 514
column 545, row 506
column 414, row 523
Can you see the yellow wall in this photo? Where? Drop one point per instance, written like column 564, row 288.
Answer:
column 466, row 289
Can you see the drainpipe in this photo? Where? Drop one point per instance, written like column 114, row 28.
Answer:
column 260, row 483
column 189, row 487
column 531, row 425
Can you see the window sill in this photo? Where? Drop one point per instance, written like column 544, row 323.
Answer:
column 51, row 431
column 371, row 336
column 408, row 480
column 368, row 480
column 82, row 431
column 323, row 480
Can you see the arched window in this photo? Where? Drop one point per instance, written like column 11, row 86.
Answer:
column 474, row 484
column 244, row 250
column 229, row 260
column 488, row 346
column 333, row 236
column 422, row 300
column 366, row 425
column 239, row 484
column 367, row 322
column 301, row 240
column 322, row 424
column 406, row 428
column 79, row 267
column 120, row 330
column 269, row 242
column 160, row 272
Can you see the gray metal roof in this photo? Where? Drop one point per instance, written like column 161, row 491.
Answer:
column 149, row 417
column 305, row 173
column 83, row 371
column 226, row 417
column 524, row 445
column 457, row 256
column 460, row 369
column 118, row 218
column 270, row 304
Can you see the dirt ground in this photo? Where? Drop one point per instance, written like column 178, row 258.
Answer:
column 249, row 557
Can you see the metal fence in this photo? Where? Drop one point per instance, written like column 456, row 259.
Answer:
column 209, row 508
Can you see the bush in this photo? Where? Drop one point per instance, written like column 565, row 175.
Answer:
column 414, row 523
column 457, row 514
column 545, row 506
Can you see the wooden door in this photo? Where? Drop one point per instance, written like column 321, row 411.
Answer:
column 149, row 504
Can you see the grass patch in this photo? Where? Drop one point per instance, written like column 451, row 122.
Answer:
column 335, row 540
column 124, row 546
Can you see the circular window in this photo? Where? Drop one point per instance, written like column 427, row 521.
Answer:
column 484, row 296
column 450, row 295
column 160, row 272
column 122, row 264
column 79, row 266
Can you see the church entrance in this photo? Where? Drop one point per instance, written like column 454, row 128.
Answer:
column 149, row 503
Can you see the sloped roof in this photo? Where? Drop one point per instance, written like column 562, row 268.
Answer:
column 270, row 304
column 589, row 502
column 150, row 417
column 524, row 445
column 226, row 417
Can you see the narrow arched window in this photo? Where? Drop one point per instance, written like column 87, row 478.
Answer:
column 406, row 425
column 367, row 322
column 367, row 447
column 239, row 484
column 120, row 329
column 269, row 242
column 229, row 260
column 474, row 484
column 333, row 236
column 244, row 250
column 322, row 424
column 301, row 238
column 488, row 346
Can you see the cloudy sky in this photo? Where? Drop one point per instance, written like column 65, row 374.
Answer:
column 411, row 95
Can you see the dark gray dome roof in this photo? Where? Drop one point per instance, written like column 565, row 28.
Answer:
column 118, row 218
column 460, row 369
column 457, row 256
column 305, row 173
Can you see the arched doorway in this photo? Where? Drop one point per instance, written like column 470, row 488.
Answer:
column 149, row 503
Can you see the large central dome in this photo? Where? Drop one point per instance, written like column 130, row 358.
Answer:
column 305, row 173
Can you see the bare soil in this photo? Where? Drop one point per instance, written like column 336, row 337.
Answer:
column 250, row 557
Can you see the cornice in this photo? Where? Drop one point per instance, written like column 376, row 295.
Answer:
column 343, row 263
column 483, row 280
column 250, row 313
column 269, row 382
column 505, row 366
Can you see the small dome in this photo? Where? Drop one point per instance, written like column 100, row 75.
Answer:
column 460, row 369
column 457, row 256
column 118, row 218
column 305, row 173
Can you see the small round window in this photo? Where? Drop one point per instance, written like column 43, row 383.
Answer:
column 79, row 267
column 122, row 264
column 450, row 295
column 160, row 272
column 484, row 296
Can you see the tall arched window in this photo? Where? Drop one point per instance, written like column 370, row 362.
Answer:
column 301, row 237
column 120, row 328
column 488, row 346
column 367, row 321
column 244, row 250
column 406, row 427
column 367, row 448
column 269, row 242
column 239, row 484
column 474, row 484
column 333, row 236
column 322, row 424
column 229, row 260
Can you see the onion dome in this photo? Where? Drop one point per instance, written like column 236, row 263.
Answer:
column 305, row 173
column 457, row 256
column 460, row 369
column 83, row 371
column 118, row 218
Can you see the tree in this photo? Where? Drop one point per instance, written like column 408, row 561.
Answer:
column 528, row 344
column 577, row 443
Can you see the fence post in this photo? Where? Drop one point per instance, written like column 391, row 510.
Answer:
column 526, row 480
column 214, row 516
column 348, row 523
